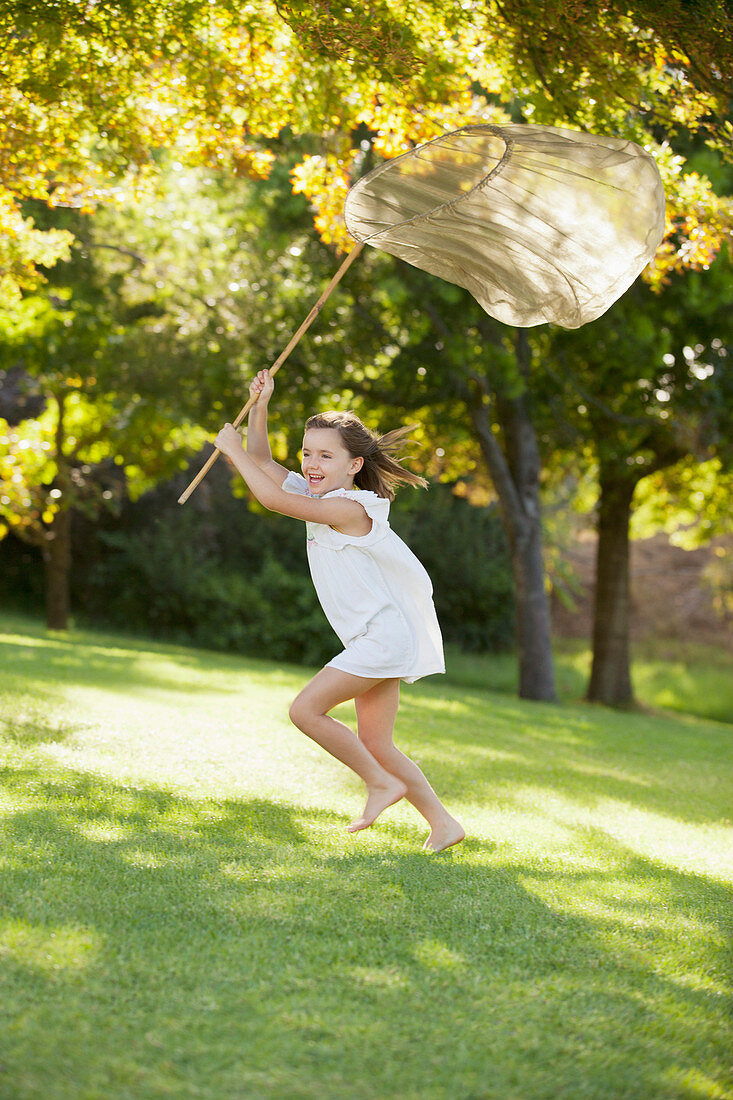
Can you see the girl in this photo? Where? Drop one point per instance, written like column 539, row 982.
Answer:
column 374, row 591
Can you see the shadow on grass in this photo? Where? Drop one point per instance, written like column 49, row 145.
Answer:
column 157, row 946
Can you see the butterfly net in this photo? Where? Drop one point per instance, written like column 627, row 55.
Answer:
column 538, row 223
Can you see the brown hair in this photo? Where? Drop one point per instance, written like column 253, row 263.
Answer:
column 381, row 472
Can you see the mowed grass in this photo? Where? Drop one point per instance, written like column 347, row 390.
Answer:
column 669, row 674
column 183, row 914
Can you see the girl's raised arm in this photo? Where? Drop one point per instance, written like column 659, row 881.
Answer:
column 347, row 516
column 258, row 444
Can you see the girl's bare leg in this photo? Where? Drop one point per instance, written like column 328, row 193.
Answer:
column 376, row 711
column 309, row 712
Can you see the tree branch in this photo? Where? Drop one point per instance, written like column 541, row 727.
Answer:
column 139, row 260
column 474, row 397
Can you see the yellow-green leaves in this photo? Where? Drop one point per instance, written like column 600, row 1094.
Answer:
column 27, row 502
column 698, row 221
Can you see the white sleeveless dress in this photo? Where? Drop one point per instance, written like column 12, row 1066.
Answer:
column 375, row 594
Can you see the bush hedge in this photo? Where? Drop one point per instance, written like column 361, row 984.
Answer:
column 222, row 573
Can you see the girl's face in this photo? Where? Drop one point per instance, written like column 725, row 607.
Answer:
column 326, row 464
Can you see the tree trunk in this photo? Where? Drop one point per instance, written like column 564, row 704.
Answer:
column 57, row 543
column 514, row 469
column 515, row 472
column 57, row 568
column 532, row 611
column 610, row 680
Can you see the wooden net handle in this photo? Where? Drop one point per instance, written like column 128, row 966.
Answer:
column 278, row 363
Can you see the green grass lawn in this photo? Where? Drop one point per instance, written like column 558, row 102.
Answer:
column 183, row 914
column 681, row 676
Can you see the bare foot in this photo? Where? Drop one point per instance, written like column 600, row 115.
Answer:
column 444, row 836
column 378, row 799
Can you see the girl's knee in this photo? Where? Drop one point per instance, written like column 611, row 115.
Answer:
column 295, row 714
column 301, row 713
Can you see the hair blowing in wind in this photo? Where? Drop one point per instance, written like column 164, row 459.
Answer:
column 382, row 471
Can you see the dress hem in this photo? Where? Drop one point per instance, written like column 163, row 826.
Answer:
column 409, row 677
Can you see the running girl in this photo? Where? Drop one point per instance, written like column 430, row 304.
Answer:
column 374, row 592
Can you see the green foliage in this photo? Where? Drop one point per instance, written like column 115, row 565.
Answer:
column 648, row 385
column 153, row 581
column 596, row 64
column 218, row 576
column 139, row 338
column 691, row 502
column 90, row 96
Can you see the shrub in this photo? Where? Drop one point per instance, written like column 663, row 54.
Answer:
column 227, row 575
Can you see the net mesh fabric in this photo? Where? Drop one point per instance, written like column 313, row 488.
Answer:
column 539, row 223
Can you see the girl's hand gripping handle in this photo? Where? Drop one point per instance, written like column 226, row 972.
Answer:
column 228, row 441
column 262, row 384
column 262, row 387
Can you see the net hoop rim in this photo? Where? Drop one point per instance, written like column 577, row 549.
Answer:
column 509, row 144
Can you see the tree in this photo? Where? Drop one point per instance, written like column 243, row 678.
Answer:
column 647, row 385
column 512, row 457
column 160, row 283
column 669, row 65
column 217, row 85
column 98, row 434
column 90, row 94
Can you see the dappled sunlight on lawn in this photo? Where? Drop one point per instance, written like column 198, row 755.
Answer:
column 180, row 884
column 108, row 667
column 250, row 933
column 151, row 717
column 642, row 906
column 48, row 949
column 529, row 771
column 542, row 817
